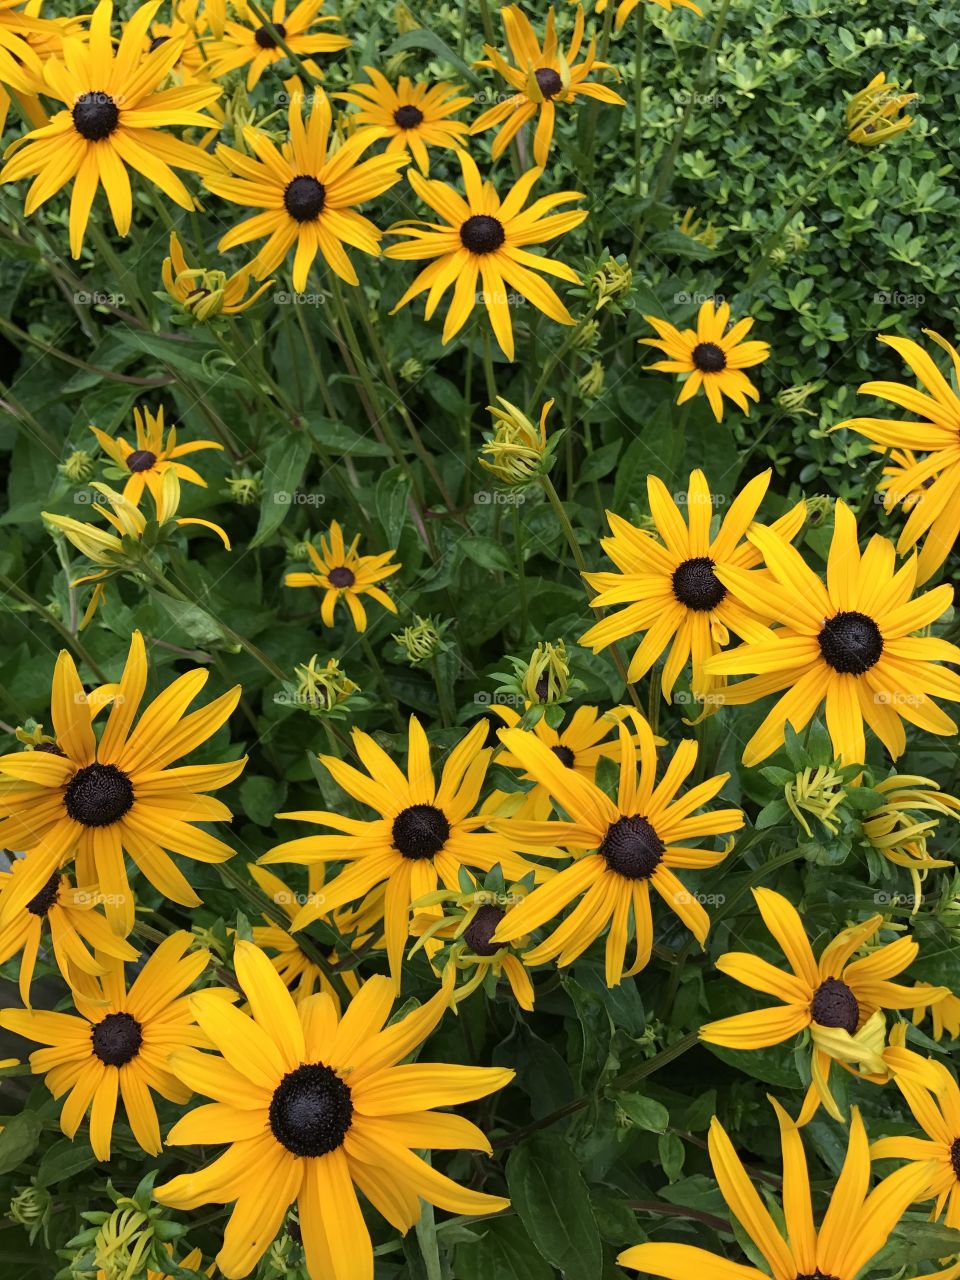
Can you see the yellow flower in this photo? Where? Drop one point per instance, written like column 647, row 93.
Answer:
column 100, row 800
column 314, row 1108
column 425, row 832
column 712, row 359
column 115, row 117
column 146, row 465
column 306, row 193
column 626, row 7
column 414, row 116
column 206, row 294
column 854, row 1228
column 517, row 451
column 623, row 849
column 342, row 572
column 249, row 43
column 873, row 114
column 937, row 1112
column 672, row 586
column 929, row 486
column 834, row 998
column 945, row 1014
column 542, row 77
column 120, row 1043
column 483, row 238
column 899, row 830
column 850, row 642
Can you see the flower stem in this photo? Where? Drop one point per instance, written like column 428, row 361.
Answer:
column 381, row 679
column 71, row 641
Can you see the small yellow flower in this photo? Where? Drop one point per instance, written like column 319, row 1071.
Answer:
column 147, row 464
column 414, row 116
column 873, row 114
column 206, row 294
column 423, row 641
column 626, row 7
column 323, row 689
column 251, row 44
column 341, row 571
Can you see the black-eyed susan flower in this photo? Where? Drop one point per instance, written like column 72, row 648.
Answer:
column 850, row 643
column 543, row 77
column 114, row 120
column 187, row 22
column 315, row 1108
column 307, row 193
column 834, row 998
column 853, row 1230
column 342, row 573
column 937, row 1112
column 301, row 975
column 580, row 745
column 670, row 585
column 873, row 114
column 465, row 931
column 483, row 238
column 623, row 849
column 77, row 932
column 206, row 294
column 101, row 800
column 709, row 357
column 901, row 826
column 425, row 832
column 119, row 1044
column 250, row 43
column 933, row 433
column 143, row 465
column 626, row 7
column 415, row 116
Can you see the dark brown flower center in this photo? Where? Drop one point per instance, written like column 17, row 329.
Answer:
column 95, row 116
column 117, row 1039
column 851, row 642
column 311, row 1110
column 482, row 234
column 420, row 831
column 50, row 749
column 835, row 1005
column 817, row 1275
column 44, row 900
column 156, row 42
column 632, row 848
column 480, row 930
column 548, row 81
column 955, row 1158
column 342, row 576
column 696, row 585
column 564, row 755
column 304, row 198
column 140, row 460
column 98, row 795
column 265, row 38
column 408, row 117
column 709, row 358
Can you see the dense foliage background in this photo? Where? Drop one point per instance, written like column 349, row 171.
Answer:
column 595, row 1147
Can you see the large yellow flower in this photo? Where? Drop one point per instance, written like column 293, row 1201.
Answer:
column 414, row 116
column 854, row 1229
column 314, row 1107
column 709, row 357
column 485, row 239
column 340, row 572
column 671, row 588
column 425, row 833
column 542, row 78
column 850, row 642
column 624, row 849
column 834, row 997
column 144, row 466
column 928, row 487
column 120, row 1043
column 100, row 800
column 249, row 43
column 306, row 191
column 937, row 1112
column 114, row 119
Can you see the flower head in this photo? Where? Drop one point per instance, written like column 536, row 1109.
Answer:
column 873, row 114
column 414, row 116
column 248, row 42
column 517, row 452
column 314, row 1108
column 483, row 238
column 543, row 76
column 205, row 294
column 712, row 359
column 144, row 466
column 340, row 572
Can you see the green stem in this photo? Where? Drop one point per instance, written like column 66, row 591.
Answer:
column 572, row 337
column 71, row 641
column 521, row 571
column 381, row 679
column 638, row 101
column 426, row 1228
column 447, row 712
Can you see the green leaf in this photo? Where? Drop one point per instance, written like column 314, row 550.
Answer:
column 393, row 491
column 19, row 1140
column 424, row 38
column 550, row 1195
column 63, row 1160
column 283, row 470
column 261, row 798
column 645, row 1113
column 488, row 554
column 340, row 439
column 504, row 1252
